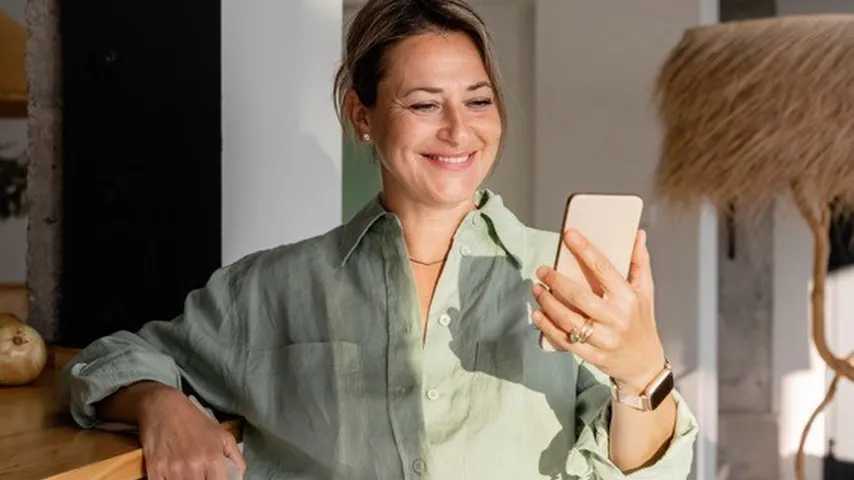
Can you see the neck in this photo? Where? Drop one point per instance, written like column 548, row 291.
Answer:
column 427, row 229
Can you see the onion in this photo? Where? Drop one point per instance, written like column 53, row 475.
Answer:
column 22, row 351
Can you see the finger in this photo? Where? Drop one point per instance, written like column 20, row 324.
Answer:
column 591, row 257
column 151, row 471
column 560, row 340
column 232, row 452
column 566, row 319
column 575, row 295
column 640, row 272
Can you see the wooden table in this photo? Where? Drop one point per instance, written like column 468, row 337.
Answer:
column 38, row 439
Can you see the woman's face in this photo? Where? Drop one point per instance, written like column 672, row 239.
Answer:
column 435, row 125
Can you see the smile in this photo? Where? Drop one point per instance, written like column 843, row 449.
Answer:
column 455, row 161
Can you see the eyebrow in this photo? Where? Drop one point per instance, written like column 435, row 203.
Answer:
column 472, row 87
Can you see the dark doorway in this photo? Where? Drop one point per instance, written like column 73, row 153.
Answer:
column 841, row 243
column 142, row 179
column 836, row 469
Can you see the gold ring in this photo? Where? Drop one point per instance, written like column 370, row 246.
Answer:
column 583, row 335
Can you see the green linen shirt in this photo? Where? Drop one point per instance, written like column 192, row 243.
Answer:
column 317, row 345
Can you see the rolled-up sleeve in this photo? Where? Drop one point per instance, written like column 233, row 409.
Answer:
column 202, row 348
column 590, row 459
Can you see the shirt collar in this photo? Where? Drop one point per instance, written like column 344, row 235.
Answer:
column 505, row 229
column 358, row 226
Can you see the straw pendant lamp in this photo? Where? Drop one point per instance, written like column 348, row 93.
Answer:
column 13, row 81
column 754, row 108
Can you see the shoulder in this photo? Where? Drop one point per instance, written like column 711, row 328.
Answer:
column 537, row 239
column 318, row 253
column 540, row 248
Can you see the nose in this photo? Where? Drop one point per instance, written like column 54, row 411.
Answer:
column 455, row 129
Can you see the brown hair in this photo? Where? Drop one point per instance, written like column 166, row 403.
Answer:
column 380, row 24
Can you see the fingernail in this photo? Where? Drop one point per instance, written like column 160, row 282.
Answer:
column 573, row 237
column 538, row 289
column 542, row 271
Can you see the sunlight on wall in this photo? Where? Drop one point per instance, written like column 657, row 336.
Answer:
column 803, row 390
column 801, row 393
column 840, row 310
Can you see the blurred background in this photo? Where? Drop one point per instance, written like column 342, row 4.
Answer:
column 160, row 140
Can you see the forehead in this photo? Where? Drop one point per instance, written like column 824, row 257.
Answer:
column 434, row 59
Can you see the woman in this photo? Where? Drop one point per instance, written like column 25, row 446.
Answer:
column 401, row 344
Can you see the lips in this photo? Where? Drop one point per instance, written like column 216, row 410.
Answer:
column 449, row 158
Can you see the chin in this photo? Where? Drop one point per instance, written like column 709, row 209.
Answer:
column 455, row 192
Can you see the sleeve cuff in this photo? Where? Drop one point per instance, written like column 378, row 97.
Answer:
column 89, row 383
column 590, row 457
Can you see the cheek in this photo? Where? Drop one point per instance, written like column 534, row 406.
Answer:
column 489, row 128
column 407, row 134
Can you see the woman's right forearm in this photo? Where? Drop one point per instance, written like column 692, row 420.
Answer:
column 128, row 403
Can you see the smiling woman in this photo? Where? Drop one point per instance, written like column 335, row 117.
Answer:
column 435, row 124
column 404, row 343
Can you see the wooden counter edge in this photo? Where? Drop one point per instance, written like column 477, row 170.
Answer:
column 127, row 466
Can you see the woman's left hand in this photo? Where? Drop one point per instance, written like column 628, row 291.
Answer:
column 624, row 342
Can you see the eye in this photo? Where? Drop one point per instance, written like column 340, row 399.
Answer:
column 424, row 107
column 480, row 103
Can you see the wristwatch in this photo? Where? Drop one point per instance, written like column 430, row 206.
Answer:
column 651, row 396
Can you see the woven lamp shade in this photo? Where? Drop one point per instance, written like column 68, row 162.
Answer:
column 751, row 107
column 13, row 81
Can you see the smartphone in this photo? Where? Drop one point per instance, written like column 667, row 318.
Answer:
column 610, row 222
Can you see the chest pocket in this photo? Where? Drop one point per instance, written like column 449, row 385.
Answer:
column 310, row 386
column 503, row 357
column 516, row 357
column 304, row 395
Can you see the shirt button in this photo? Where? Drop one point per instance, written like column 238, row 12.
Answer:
column 465, row 250
column 445, row 320
column 432, row 394
column 418, row 466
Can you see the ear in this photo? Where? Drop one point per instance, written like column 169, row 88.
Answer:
column 357, row 113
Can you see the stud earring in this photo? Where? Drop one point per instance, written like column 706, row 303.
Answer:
column 366, row 138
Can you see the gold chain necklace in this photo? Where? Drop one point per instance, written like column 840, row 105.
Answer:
column 427, row 264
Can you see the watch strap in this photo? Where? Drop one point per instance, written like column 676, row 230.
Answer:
column 652, row 395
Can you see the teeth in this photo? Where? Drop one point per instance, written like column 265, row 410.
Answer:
column 450, row 159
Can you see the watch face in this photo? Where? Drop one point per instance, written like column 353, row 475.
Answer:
column 661, row 391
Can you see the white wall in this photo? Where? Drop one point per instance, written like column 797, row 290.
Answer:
column 281, row 152
column 799, row 373
column 596, row 130
column 840, row 309
column 511, row 23
column 13, row 135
